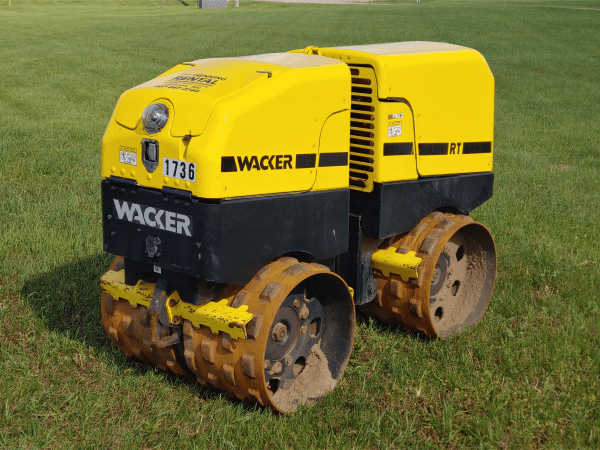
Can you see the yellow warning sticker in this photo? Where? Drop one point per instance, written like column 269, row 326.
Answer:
column 192, row 83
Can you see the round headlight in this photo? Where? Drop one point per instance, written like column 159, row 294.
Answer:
column 155, row 117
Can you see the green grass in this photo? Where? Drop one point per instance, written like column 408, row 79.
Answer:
column 527, row 376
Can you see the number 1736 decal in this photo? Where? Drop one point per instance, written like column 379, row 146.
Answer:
column 182, row 170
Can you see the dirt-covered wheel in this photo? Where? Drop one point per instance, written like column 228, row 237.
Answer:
column 462, row 292
column 309, row 342
column 299, row 339
column 455, row 282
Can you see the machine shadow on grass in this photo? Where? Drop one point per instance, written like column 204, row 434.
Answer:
column 387, row 329
column 67, row 300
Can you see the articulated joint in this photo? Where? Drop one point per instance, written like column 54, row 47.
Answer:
column 158, row 316
column 215, row 315
column 402, row 264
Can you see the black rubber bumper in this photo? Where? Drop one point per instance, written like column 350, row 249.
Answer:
column 396, row 208
column 224, row 242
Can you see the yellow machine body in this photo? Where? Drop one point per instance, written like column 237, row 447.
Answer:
column 242, row 122
column 254, row 202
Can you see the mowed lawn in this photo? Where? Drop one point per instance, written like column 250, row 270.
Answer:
column 526, row 376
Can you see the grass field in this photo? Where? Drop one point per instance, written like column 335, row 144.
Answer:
column 527, row 376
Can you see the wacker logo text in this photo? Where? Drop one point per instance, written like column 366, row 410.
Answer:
column 153, row 217
column 273, row 162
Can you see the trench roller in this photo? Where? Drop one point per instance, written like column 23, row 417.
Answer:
column 255, row 201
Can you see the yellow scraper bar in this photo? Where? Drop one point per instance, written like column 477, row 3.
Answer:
column 215, row 315
column 114, row 283
column 403, row 264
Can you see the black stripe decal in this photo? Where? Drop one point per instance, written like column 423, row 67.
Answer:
column 228, row 164
column 333, row 159
column 433, row 149
column 398, row 149
column 476, row 147
column 306, row 161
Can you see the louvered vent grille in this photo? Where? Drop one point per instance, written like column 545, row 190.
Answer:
column 362, row 127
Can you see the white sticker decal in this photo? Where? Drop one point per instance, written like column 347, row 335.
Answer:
column 395, row 116
column 157, row 269
column 182, row 170
column 395, row 130
column 128, row 155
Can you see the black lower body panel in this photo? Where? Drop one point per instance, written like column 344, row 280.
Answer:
column 396, row 208
column 226, row 242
